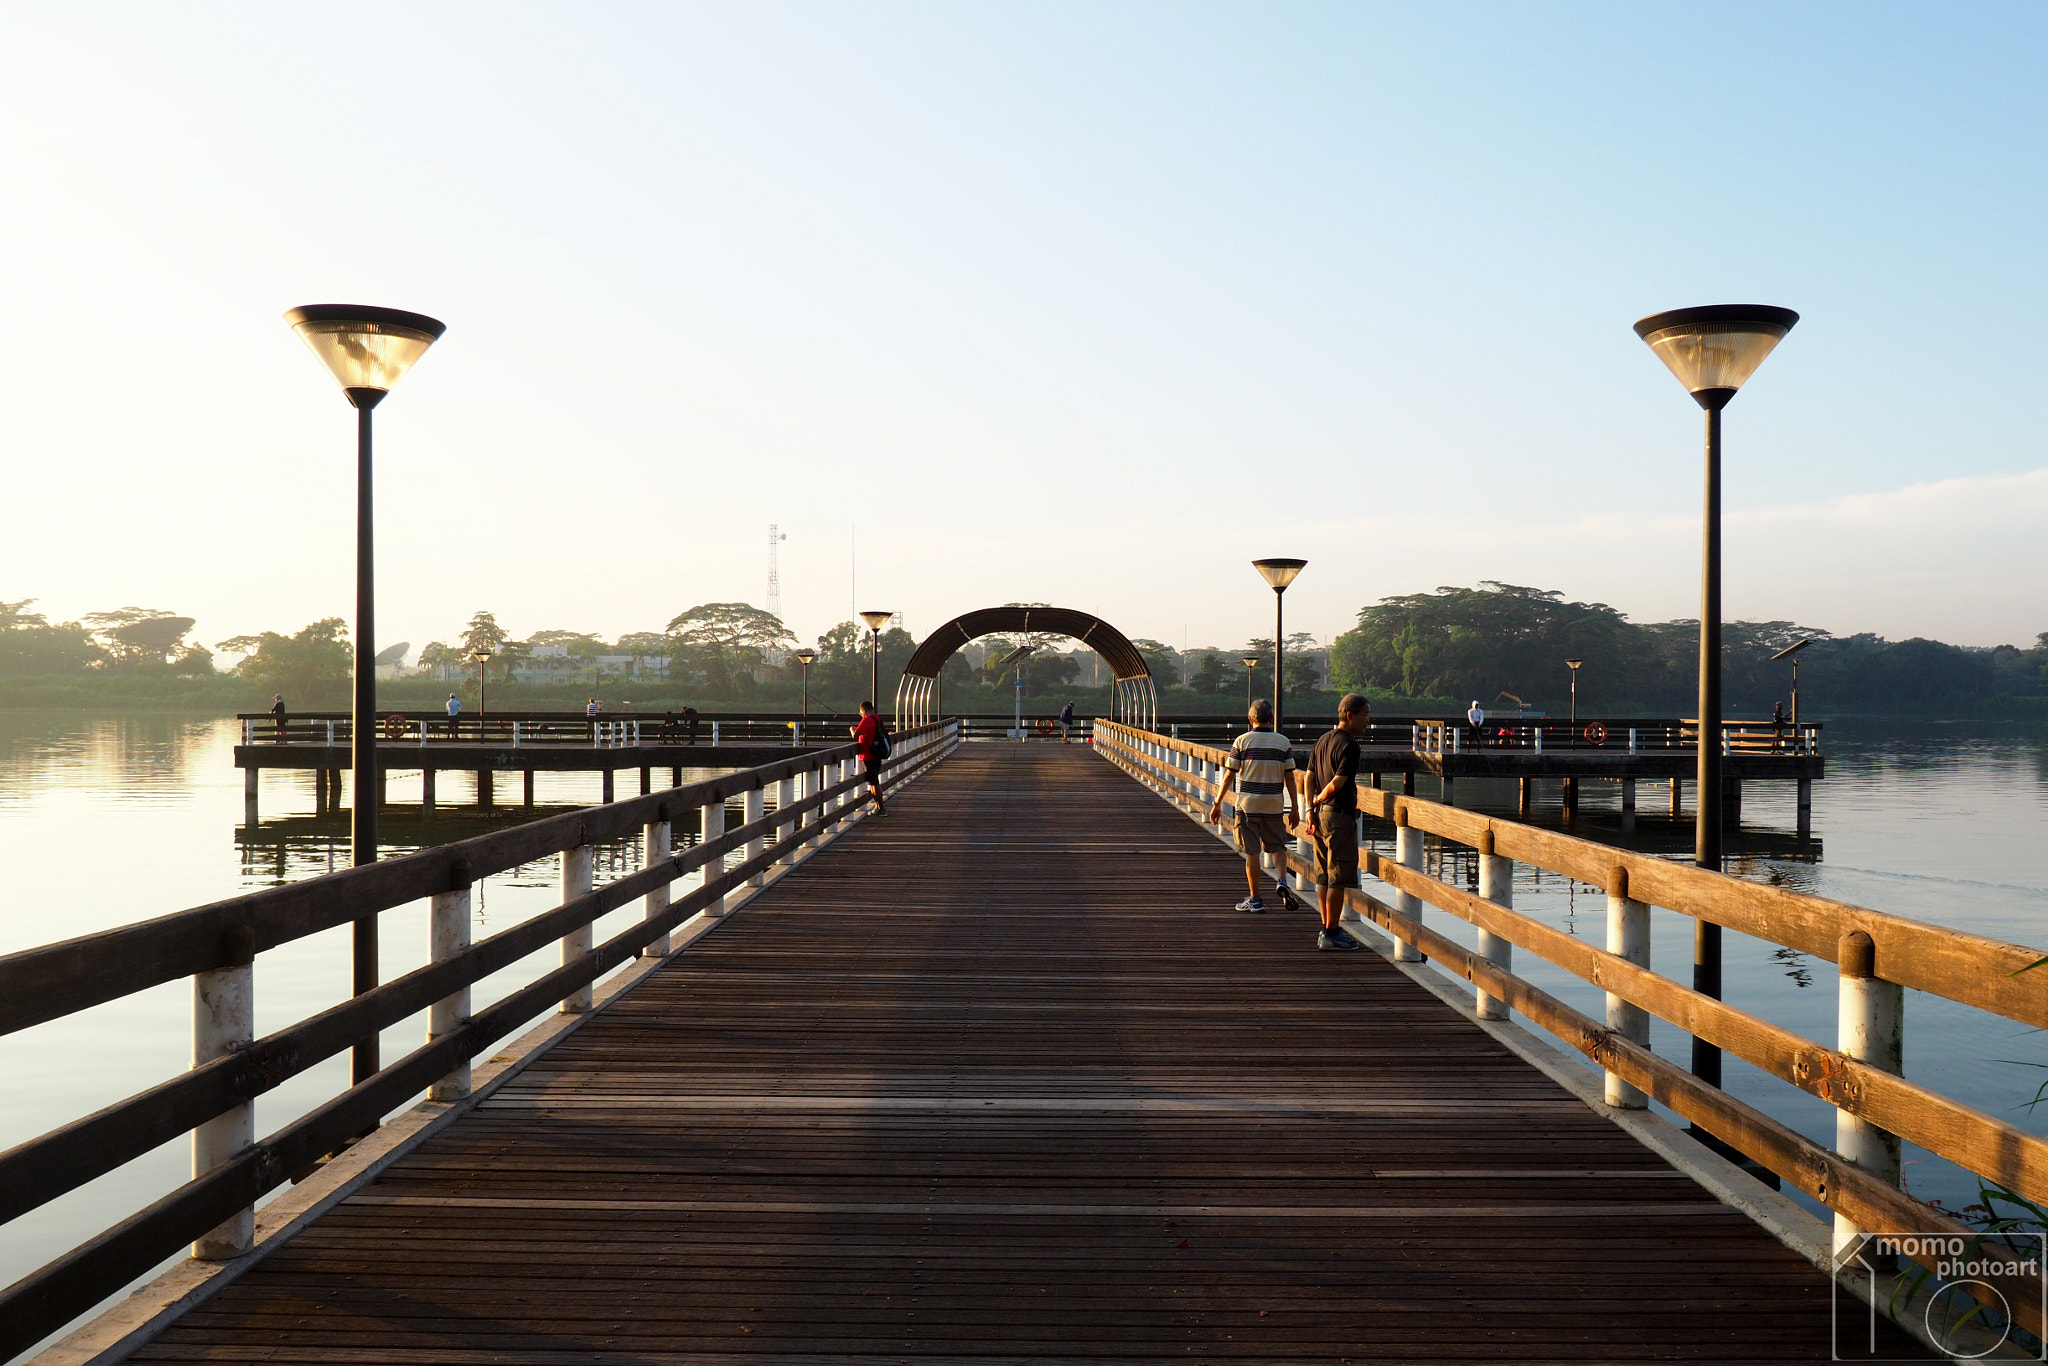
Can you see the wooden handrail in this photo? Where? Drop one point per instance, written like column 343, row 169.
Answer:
column 1977, row 1141
column 41, row 1169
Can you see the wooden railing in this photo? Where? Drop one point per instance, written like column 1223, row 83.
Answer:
column 1878, row 955
column 816, row 794
column 522, row 729
column 1630, row 736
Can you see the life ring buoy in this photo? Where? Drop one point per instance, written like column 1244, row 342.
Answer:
column 1041, row 727
column 1596, row 733
column 394, row 728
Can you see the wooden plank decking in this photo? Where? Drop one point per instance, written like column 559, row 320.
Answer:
column 1003, row 1078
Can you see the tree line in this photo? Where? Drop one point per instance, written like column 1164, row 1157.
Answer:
column 1503, row 643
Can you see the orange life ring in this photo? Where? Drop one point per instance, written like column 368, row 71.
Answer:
column 394, row 728
column 1596, row 733
column 1042, row 726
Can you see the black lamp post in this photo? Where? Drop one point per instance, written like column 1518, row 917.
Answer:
column 1278, row 573
column 1791, row 652
column 876, row 621
column 483, row 664
column 1573, row 665
column 1250, row 662
column 1712, row 350
column 804, row 657
column 367, row 350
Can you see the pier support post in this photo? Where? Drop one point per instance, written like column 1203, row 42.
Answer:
column 1408, row 783
column 1628, row 803
column 1872, row 1029
column 1522, row 798
column 448, row 920
column 675, row 776
column 1628, row 936
column 578, row 864
column 1676, row 808
column 486, row 795
column 754, row 807
column 223, row 1022
column 606, row 799
column 712, row 826
column 1496, row 884
column 1407, row 853
column 1568, row 794
column 1805, row 806
column 1731, row 801
column 657, row 840
column 249, row 779
column 426, row 794
column 1445, row 793
column 527, row 795
column 646, row 780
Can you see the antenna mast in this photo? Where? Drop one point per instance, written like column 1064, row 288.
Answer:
column 775, row 658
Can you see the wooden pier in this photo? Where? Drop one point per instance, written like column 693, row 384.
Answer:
column 999, row 1078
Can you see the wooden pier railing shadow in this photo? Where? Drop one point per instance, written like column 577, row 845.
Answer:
column 1002, row 1078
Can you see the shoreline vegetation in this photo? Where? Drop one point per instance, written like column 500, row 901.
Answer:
column 1422, row 654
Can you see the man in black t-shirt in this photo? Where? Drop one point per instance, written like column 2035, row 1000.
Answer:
column 1333, row 815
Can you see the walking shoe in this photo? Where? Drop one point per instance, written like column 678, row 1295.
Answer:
column 1334, row 940
column 1252, row 904
column 1288, row 900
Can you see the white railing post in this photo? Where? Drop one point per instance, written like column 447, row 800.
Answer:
column 1538, row 728
column 1628, row 936
column 248, row 732
column 785, row 797
column 1631, row 739
column 1872, row 1029
column 330, row 735
column 1407, row 853
column 754, row 807
column 448, row 921
column 714, row 735
column 1496, row 884
column 578, row 865
column 712, row 826
column 657, row 842
column 224, row 1022
column 515, row 735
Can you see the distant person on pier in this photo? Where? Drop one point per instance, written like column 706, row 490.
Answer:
column 593, row 709
column 1333, row 815
column 689, row 725
column 1260, row 764
column 277, row 710
column 871, row 745
column 454, row 710
column 1066, row 723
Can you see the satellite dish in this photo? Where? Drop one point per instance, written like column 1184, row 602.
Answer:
column 395, row 655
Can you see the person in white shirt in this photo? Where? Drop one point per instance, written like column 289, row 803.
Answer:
column 1476, row 716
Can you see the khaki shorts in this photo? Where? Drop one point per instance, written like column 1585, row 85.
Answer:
column 1257, row 829
column 1335, row 838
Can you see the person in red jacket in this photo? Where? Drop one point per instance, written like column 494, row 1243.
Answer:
column 867, row 740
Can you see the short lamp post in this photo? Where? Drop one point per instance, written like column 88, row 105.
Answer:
column 1250, row 662
column 368, row 350
column 1573, row 665
column 1713, row 351
column 1791, row 652
column 876, row 621
column 1278, row 574
column 483, row 664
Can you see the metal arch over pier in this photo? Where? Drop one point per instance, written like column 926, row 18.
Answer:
column 1136, row 700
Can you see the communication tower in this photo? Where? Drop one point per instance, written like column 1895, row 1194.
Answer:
column 775, row 539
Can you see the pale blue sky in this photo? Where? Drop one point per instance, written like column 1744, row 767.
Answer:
column 1044, row 296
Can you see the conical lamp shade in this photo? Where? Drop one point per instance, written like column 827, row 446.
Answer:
column 876, row 620
column 364, row 347
column 1279, row 573
column 1714, row 350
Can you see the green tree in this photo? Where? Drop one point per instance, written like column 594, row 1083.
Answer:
column 15, row 616
column 312, row 668
column 1162, row 660
column 724, row 643
column 29, row 644
column 484, row 633
column 139, row 636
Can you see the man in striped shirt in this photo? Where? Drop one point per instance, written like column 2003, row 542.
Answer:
column 1261, row 766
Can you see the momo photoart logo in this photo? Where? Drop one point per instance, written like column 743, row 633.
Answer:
column 1970, row 1296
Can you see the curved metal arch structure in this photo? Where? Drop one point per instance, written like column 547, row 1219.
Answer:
column 1135, row 700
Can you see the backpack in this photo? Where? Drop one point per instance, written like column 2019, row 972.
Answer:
column 880, row 749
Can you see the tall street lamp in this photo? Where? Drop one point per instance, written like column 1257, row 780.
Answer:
column 483, row 662
column 1250, row 662
column 1573, row 665
column 876, row 621
column 1713, row 351
column 804, row 657
column 367, row 350
column 1278, row 573
column 1791, row 652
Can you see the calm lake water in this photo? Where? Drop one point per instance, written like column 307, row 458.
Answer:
column 108, row 819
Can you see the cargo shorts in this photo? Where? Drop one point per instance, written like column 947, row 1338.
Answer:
column 1334, row 835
